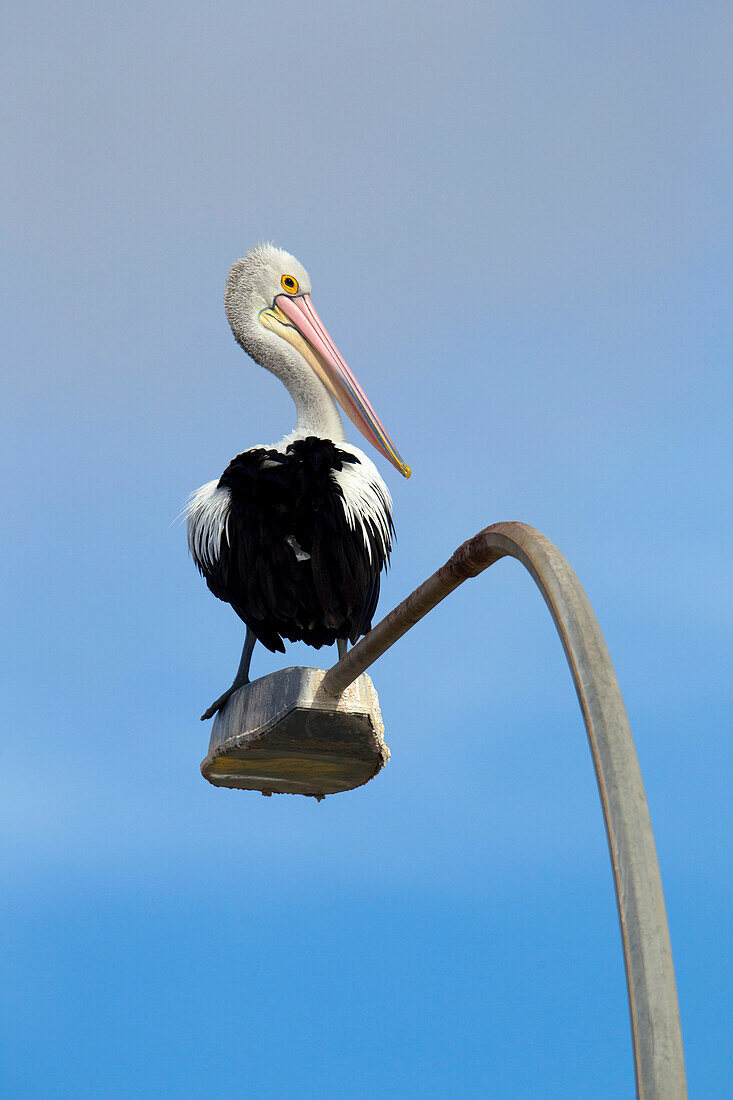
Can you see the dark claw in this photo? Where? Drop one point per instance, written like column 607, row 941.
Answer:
column 240, row 679
column 222, row 700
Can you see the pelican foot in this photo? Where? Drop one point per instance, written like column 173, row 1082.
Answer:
column 219, row 703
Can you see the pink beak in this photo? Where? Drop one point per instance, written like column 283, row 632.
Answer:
column 337, row 376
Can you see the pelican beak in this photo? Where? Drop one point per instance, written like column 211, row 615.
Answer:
column 305, row 330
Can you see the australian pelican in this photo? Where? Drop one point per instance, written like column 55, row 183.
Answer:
column 294, row 535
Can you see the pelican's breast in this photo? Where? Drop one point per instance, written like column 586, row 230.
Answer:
column 295, row 540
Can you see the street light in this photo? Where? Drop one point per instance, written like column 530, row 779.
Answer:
column 324, row 731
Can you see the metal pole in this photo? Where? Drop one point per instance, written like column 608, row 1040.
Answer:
column 655, row 1023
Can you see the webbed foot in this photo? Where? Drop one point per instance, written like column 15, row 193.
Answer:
column 219, row 703
column 240, row 679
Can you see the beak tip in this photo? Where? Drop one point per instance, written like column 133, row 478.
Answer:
column 405, row 470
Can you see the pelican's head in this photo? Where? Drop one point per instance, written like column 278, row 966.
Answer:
column 268, row 304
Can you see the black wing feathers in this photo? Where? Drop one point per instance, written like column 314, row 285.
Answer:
column 291, row 566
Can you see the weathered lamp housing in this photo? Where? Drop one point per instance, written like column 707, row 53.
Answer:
column 283, row 734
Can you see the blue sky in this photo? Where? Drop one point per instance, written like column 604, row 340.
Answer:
column 514, row 217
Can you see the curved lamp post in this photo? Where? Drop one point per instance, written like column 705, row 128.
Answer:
column 655, row 1021
column 307, row 732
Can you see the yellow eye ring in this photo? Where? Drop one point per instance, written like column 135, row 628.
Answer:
column 289, row 283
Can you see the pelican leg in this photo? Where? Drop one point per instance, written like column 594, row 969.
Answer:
column 240, row 679
column 342, row 644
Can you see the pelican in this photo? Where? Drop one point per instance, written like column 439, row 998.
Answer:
column 294, row 535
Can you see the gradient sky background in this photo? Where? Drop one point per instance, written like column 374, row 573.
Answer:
column 514, row 217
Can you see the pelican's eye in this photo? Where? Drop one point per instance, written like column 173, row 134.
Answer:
column 287, row 282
